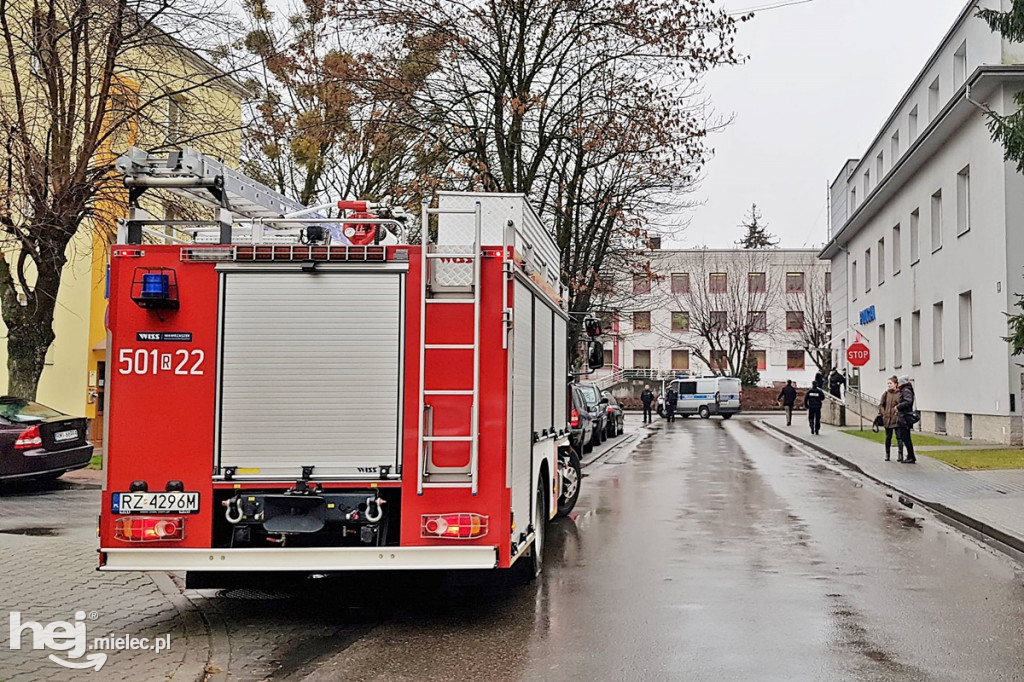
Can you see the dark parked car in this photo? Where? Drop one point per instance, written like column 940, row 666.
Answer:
column 39, row 442
column 596, row 403
column 616, row 419
column 581, row 421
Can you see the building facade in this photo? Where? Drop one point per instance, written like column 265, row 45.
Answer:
column 704, row 310
column 926, row 245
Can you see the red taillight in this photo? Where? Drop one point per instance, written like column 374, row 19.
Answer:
column 574, row 418
column 610, row 409
column 29, row 439
column 149, row 528
column 453, row 526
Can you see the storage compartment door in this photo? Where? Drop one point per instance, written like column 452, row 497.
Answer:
column 310, row 373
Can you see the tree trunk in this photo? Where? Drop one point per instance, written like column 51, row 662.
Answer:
column 29, row 327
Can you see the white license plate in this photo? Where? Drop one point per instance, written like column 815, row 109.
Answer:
column 158, row 503
column 65, row 436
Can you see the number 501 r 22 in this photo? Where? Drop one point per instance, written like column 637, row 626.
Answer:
column 142, row 361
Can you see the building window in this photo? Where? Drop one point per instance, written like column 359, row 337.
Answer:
column 719, row 360
column 794, row 320
column 933, row 99
column 897, row 343
column 881, row 347
column 761, row 357
column 867, row 184
column 642, row 321
column 795, row 359
column 719, row 320
column 641, row 359
column 894, row 148
column 912, row 124
column 757, row 320
column 915, row 236
column 680, row 282
column 680, row 360
column 966, row 326
column 881, row 261
column 853, row 280
column 879, row 166
column 607, row 319
column 896, row 256
column 828, row 321
column 641, row 284
column 680, row 321
column 718, row 283
column 853, row 199
column 963, row 201
column 937, row 221
column 960, row 65
column 757, row 283
column 828, row 282
column 607, row 357
column 915, row 338
column 174, row 115
column 867, row 270
column 937, row 345
column 794, row 282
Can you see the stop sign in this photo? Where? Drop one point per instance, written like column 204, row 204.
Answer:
column 858, row 354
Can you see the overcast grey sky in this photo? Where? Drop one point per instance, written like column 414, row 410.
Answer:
column 821, row 79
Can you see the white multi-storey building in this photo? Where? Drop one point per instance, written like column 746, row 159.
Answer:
column 781, row 295
column 927, row 245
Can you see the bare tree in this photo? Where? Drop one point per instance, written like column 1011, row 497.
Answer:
column 815, row 333
column 591, row 109
column 328, row 115
column 81, row 79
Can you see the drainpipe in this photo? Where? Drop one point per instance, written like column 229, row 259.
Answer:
column 983, row 107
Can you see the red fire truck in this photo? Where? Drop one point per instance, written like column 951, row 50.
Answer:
column 290, row 392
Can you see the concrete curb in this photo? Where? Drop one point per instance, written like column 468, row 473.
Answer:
column 198, row 637
column 1010, row 545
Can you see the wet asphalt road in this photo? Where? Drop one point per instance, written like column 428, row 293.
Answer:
column 710, row 552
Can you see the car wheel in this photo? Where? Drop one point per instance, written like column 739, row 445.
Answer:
column 622, row 425
column 726, row 415
column 612, row 429
column 572, row 476
column 596, row 440
column 587, row 445
column 704, row 412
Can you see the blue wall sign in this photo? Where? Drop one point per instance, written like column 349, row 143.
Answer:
column 867, row 316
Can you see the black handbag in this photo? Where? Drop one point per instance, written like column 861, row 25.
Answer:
column 913, row 417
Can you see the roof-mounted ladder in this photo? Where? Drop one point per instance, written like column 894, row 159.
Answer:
column 200, row 178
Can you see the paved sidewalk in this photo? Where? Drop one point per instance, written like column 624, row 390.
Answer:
column 990, row 502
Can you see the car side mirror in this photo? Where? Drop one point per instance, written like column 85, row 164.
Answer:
column 603, row 401
column 595, row 355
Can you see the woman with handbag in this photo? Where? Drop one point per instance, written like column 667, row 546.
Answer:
column 888, row 416
column 907, row 417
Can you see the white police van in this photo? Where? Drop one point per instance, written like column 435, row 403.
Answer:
column 706, row 396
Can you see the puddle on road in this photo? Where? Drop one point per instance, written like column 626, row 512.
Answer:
column 38, row 531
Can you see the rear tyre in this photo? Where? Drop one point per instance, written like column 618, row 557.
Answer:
column 726, row 416
column 704, row 412
column 533, row 563
column 572, row 476
column 613, row 429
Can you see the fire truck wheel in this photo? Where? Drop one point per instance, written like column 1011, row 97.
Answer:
column 540, row 519
column 569, row 464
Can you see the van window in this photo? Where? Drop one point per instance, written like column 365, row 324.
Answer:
column 687, row 387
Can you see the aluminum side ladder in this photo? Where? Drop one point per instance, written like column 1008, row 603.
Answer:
column 450, row 276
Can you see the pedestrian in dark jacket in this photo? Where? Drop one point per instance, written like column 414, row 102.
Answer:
column 647, row 399
column 890, row 417
column 813, row 400
column 904, row 422
column 671, row 398
column 836, row 381
column 787, row 397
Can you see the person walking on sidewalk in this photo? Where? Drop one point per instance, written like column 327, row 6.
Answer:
column 813, row 400
column 647, row 398
column 835, row 383
column 905, row 407
column 788, row 399
column 671, row 398
column 890, row 417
